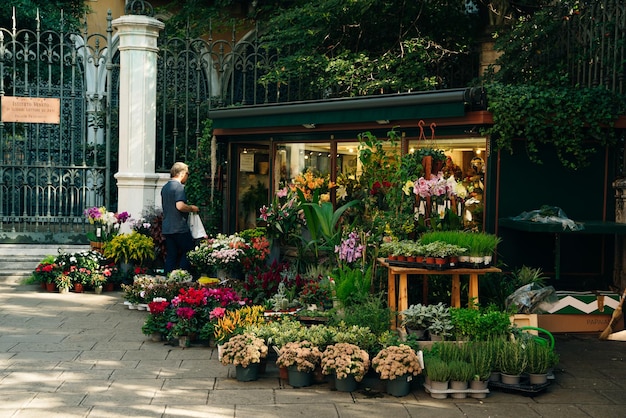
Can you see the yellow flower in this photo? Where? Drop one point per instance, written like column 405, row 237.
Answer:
column 408, row 188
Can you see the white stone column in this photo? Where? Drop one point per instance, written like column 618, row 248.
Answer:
column 136, row 178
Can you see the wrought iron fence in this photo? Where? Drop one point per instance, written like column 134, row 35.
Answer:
column 49, row 173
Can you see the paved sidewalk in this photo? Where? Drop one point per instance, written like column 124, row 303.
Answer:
column 83, row 355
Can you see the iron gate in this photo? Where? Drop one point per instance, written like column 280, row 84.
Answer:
column 49, row 173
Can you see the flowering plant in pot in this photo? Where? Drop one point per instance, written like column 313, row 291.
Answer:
column 243, row 350
column 46, row 270
column 396, row 361
column 234, row 322
column 157, row 321
column 63, row 280
column 179, row 276
column 343, row 359
column 105, row 224
column 303, row 355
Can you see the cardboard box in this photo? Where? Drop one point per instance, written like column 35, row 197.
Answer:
column 581, row 312
column 576, row 322
column 590, row 303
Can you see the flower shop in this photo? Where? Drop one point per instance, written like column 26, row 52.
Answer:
column 352, row 271
column 305, row 294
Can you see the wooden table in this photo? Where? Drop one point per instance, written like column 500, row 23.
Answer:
column 398, row 295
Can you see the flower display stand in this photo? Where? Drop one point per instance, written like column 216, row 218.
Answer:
column 443, row 393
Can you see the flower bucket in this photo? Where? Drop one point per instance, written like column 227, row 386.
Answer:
column 299, row 379
column 347, row 384
column 247, row 374
column 400, row 386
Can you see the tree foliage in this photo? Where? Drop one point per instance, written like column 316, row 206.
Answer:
column 354, row 48
column 49, row 13
column 533, row 94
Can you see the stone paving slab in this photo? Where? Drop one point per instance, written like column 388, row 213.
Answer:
column 83, row 355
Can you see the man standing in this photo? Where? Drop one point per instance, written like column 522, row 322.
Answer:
column 178, row 239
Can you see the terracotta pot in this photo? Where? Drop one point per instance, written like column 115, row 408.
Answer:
column 79, row 288
column 108, row 287
column 410, row 259
column 51, row 287
column 401, row 258
column 441, row 260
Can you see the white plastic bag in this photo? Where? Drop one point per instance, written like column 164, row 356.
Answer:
column 195, row 226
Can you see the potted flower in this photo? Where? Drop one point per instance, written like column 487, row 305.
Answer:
column 397, row 364
column 45, row 272
column 63, row 281
column 300, row 358
column 180, row 276
column 347, row 362
column 245, row 351
column 156, row 323
column 105, row 224
column 130, row 248
column 97, row 280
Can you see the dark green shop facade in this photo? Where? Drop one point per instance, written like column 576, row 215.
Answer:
column 269, row 144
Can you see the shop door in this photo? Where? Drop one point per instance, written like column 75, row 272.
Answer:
column 253, row 180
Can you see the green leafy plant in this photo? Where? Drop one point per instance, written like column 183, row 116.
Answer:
column 481, row 358
column 132, row 247
column 461, row 371
column 437, row 370
column 539, row 357
column 352, row 285
column 512, row 358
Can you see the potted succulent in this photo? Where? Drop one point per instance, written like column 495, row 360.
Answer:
column 397, row 364
column 347, row 362
column 300, row 358
column 245, row 352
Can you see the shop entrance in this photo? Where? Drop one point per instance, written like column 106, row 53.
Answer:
column 253, row 180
